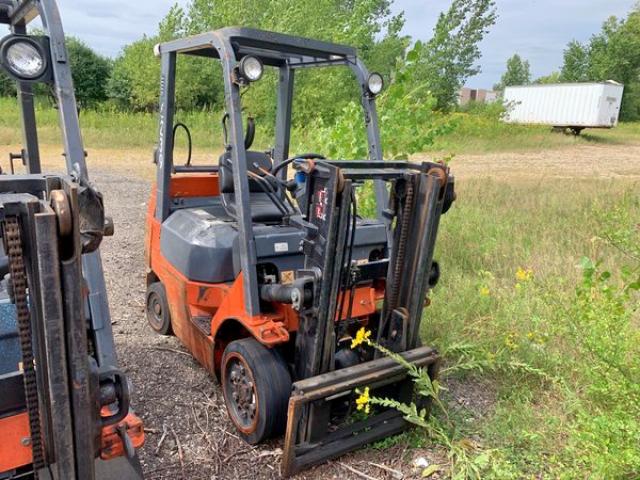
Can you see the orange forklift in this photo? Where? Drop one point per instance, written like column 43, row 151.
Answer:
column 266, row 276
column 64, row 405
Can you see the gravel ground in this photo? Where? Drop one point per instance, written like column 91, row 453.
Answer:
column 180, row 402
column 188, row 433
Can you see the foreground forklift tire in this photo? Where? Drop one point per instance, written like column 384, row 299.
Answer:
column 256, row 384
column 158, row 314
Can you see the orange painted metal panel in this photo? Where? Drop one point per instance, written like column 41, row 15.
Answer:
column 110, row 442
column 14, row 434
column 223, row 302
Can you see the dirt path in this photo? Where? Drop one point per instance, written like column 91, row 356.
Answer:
column 583, row 162
column 580, row 162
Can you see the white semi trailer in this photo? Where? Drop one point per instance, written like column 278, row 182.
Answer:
column 573, row 106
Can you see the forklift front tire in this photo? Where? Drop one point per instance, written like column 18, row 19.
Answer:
column 256, row 384
column 158, row 314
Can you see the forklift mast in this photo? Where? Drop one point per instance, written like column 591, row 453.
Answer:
column 64, row 408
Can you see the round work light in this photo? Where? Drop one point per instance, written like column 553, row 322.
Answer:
column 23, row 57
column 375, row 83
column 251, row 68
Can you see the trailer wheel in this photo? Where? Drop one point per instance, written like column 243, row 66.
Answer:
column 158, row 314
column 256, row 385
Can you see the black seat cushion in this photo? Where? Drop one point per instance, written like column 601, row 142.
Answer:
column 263, row 210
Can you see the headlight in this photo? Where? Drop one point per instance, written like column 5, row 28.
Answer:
column 375, row 83
column 23, row 57
column 251, row 68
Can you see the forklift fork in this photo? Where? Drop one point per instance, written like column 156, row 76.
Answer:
column 331, row 385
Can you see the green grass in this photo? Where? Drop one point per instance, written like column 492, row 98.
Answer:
column 577, row 417
column 108, row 128
column 481, row 131
column 476, row 132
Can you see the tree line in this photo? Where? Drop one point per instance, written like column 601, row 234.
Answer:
column 440, row 65
column 611, row 54
column 445, row 62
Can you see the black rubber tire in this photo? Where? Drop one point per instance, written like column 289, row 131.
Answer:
column 157, row 306
column 271, row 388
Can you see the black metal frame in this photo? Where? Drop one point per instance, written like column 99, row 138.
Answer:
column 58, row 324
column 418, row 199
column 17, row 15
column 285, row 52
column 60, row 320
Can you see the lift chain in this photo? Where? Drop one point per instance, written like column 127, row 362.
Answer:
column 399, row 266
column 13, row 243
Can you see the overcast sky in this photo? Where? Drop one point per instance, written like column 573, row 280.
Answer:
column 538, row 30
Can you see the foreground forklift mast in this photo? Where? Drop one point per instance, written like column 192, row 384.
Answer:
column 64, row 405
column 267, row 277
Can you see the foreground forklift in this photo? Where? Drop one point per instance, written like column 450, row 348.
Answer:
column 266, row 276
column 64, row 405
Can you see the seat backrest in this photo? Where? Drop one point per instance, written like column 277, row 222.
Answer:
column 263, row 210
column 225, row 172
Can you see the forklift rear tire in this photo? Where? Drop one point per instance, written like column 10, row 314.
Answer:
column 256, row 385
column 158, row 314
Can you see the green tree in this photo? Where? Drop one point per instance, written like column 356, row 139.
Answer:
column 553, row 77
column 576, row 63
column 90, row 72
column 136, row 73
column 7, row 85
column 611, row 54
column 518, row 73
column 450, row 57
column 368, row 25
column 614, row 54
column 135, row 79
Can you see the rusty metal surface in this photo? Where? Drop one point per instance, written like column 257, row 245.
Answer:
column 373, row 374
column 14, row 251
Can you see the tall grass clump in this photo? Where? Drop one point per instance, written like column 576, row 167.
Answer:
column 548, row 282
column 550, row 333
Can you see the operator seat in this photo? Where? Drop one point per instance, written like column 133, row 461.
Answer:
column 263, row 210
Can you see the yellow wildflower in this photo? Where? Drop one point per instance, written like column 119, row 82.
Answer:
column 362, row 401
column 362, row 336
column 523, row 275
column 510, row 341
column 484, row 291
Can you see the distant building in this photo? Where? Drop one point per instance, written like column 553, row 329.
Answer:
column 466, row 95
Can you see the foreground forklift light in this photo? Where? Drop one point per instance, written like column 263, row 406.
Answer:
column 23, row 58
column 251, row 68
column 375, row 83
